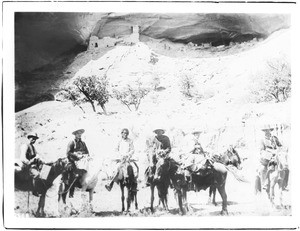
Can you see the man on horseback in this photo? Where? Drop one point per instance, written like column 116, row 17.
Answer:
column 268, row 149
column 193, row 154
column 162, row 148
column 125, row 149
column 30, row 161
column 76, row 150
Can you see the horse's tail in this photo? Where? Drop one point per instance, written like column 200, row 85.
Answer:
column 237, row 176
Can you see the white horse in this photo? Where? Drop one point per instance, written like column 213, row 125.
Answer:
column 278, row 176
column 86, row 182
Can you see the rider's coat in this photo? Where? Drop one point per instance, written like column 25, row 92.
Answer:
column 28, row 152
column 268, row 145
column 165, row 143
column 125, row 147
column 191, row 151
column 74, row 146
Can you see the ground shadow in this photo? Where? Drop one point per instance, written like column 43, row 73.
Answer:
column 108, row 214
column 219, row 203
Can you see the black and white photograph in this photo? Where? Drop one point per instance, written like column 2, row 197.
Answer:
column 139, row 113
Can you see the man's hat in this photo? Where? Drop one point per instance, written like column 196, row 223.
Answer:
column 78, row 131
column 267, row 128
column 159, row 129
column 32, row 135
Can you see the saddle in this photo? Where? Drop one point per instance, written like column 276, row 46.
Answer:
column 201, row 168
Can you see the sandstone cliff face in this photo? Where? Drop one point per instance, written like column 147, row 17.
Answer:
column 41, row 37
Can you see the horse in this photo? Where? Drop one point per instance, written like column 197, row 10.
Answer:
column 207, row 175
column 229, row 157
column 23, row 182
column 156, row 173
column 130, row 183
column 87, row 179
column 161, row 181
column 278, row 176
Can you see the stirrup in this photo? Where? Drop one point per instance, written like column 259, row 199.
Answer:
column 108, row 187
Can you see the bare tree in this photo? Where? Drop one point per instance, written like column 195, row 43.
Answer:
column 131, row 95
column 187, row 85
column 94, row 90
column 71, row 94
column 275, row 83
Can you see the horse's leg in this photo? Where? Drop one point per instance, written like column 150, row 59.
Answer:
column 280, row 193
column 166, row 199
column 163, row 196
column 28, row 197
column 180, row 200
column 62, row 193
column 122, row 196
column 184, row 197
column 223, row 194
column 271, row 192
column 43, row 197
column 135, row 200
column 209, row 195
column 212, row 192
column 91, row 194
column 128, row 199
column 214, row 195
column 41, row 205
column 152, row 197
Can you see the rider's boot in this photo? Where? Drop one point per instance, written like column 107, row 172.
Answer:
column 71, row 193
column 34, row 191
column 109, row 186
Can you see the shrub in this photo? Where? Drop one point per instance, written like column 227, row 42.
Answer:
column 153, row 59
column 131, row 95
column 155, row 81
column 71, row 94
column 187, row 85
column 274, row 83
column 94, row 90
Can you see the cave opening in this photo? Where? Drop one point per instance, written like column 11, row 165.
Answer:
column 219, row 39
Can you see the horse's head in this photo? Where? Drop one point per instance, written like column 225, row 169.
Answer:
column 231, row 156
column 60, row 165
column 162, row 169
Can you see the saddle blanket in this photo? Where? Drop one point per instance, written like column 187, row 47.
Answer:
column 45, row 172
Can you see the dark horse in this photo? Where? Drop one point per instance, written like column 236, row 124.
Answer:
column 161, row 180
column 208, row 174
column 23, row 182
column 130, row 183
column 229, row 157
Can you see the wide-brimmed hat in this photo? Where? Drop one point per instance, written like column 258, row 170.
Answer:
column 32, row 135
column 159, row 129
column 78, row 131
column 267, row 128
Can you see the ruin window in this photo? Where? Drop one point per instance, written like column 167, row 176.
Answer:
column 96, row 44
